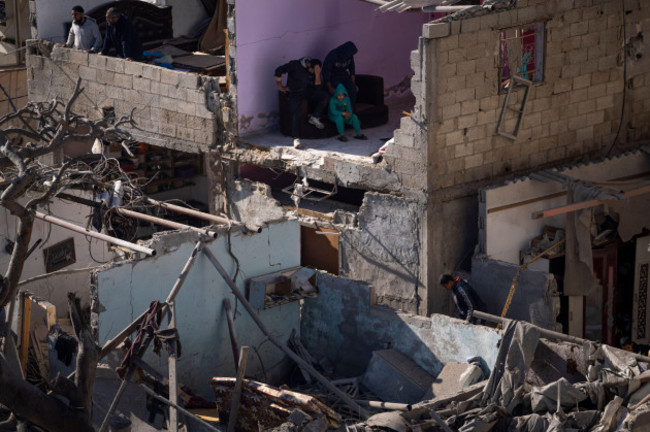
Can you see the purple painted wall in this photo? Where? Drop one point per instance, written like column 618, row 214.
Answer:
column 270, row 33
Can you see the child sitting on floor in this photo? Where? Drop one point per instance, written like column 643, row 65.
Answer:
column 341, row 114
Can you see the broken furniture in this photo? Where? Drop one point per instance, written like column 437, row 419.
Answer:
column 266, row 406
column 268, row 289
column 369, row 107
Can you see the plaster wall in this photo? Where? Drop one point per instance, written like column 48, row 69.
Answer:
column 52, row 14
column 535, row 299
column 172, row 109
column 341, row 328
column 574, row 113
column 88, row 252
column 126, row 290
column 312, row 28
column 386, row 248
column 508, row 226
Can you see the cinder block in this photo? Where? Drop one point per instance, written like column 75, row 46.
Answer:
column 473, row 161
column 189, row 80
column 78, row 57
column 476, row 135
column 169, row 77
column 436, row 30
column 449, row 43
column 463, row 150
column 133, row 68
column 467, row 121
column 141, row 84
column 451, row 111
column 87, row 73
column 152, row 72
column 465, row 95
column 185, row 133
column 115, row 64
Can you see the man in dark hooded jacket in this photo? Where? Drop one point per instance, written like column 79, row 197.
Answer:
column 121, row 35
column 338, row 67
column 303, row 82
column 464, row 296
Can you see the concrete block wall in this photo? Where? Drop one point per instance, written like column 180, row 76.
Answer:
column 574, row 113
column 170, row 106
column 14, row 82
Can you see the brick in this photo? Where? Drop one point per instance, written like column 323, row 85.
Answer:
column 473, row 161
column 87, row 73
column 595, row 118
column 486, row 117
column 476, row 134
column 188, row 80
column 533, row 119
column 570, row 71
column 607, row 63
column 185, row 133
column 133, row 68
column 169, row 77
column 580, row 95
column 581, row 81
column 115, row 64
column 447, row 70
column 97, row 61
column 579, row 56
column 571, row 44
column 477, row 51
column 454, row 138
column 435, row 31
column 586, row 133
column 605, row 102
column 151, row 72
column 451, row 111
column 141, row 84
column 577, row 122
column 449, row 43
column 463, row 150
column 78, row 57
column 465, row 95
column 123, row 81
column 467, row 121
column 489, row 103
column 105, row 77
column 168, row 129
column 587, row 106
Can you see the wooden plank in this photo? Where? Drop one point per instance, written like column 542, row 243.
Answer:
column 25, row 324
column 236, row 393
column 585, row 204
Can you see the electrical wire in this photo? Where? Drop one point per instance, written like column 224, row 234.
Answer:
column 620, row 123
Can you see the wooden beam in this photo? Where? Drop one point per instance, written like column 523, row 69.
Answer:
column 236, row 392
column 585, row 204
column 25, row 324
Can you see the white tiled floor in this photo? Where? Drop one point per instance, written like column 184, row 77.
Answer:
column 376, row 136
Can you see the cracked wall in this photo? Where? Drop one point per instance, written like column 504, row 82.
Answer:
column 385, row 250
column 125, row 290
column 341, row 328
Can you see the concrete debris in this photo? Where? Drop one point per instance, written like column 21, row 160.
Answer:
column 612, row 394
column 396, row 378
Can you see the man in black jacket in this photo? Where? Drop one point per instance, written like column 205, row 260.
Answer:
column 338, row 67
column 121, row 35
column 465, row 298
column 303, row 82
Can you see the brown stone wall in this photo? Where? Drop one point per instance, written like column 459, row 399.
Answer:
column 170, row 106
column 573, row 113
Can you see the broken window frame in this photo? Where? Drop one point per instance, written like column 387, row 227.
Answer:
column 518, row 83
column 529, row 54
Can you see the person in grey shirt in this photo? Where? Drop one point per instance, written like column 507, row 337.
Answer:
column 84, row 33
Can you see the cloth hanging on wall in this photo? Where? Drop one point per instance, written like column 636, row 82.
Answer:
column 214, row 38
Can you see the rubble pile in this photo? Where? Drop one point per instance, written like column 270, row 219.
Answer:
column 539, row 385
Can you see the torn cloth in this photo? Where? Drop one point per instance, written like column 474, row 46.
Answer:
column 149, row 329
column 579, row 279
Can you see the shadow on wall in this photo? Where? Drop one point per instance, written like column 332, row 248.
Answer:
column 341, row 329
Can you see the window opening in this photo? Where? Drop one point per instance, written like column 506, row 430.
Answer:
column 521, row 54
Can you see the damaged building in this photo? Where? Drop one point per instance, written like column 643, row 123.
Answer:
column 470, row 111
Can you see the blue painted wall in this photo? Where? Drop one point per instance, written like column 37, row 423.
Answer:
column 125, row 291
column 341, row 329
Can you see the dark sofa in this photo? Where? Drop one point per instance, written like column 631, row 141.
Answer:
column 370, row 109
